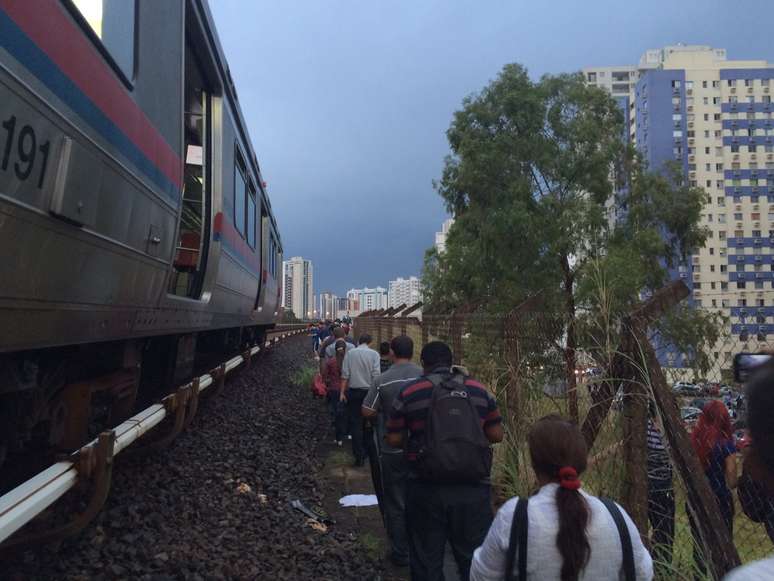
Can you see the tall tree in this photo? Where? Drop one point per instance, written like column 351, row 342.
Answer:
column 532, row 179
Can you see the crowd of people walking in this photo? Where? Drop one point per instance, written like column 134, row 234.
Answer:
column 427, row 434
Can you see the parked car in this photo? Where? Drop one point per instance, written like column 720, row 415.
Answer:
column 699, row 402
column 686, row 388
column 711, row 389
column 690, row 415
column 725, row 389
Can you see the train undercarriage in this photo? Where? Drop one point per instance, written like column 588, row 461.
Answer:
column 54, row 400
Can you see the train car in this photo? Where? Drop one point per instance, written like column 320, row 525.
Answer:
column 136, row 234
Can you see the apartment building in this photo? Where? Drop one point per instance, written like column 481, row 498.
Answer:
column 714, row 117
column 367, row 299
column 298, row 287
column 404, row 291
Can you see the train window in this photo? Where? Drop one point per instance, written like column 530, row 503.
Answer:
column 271, row 256
column 112, row 22
column 251, row 216
column 240, row 193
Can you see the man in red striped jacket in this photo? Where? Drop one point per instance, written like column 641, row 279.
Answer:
column 437, row 512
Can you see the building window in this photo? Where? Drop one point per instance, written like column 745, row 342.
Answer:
column 592, row 77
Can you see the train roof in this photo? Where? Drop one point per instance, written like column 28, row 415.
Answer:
column 229, row 90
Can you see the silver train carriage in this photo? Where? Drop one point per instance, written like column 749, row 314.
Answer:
column 136, row 234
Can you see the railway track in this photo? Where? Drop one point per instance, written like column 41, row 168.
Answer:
column 92, row 464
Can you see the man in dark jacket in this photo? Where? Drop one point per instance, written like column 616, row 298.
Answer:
column 439, row 511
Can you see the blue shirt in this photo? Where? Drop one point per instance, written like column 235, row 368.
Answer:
column 716, row 470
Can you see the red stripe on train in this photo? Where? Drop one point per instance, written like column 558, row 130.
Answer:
column 52, row 30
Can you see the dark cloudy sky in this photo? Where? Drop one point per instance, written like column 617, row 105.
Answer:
column 348, row 101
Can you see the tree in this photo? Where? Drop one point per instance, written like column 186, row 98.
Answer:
column 535, row 170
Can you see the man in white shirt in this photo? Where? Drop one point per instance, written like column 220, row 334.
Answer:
column 361, row 368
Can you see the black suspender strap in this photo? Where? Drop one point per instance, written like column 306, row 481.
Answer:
column 626, row 540
column 518, row 540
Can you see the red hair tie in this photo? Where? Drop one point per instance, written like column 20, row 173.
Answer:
column 568, row 478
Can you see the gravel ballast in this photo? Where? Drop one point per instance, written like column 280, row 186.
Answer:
column 216, row 503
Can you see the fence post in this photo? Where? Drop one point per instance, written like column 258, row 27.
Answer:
column 718, row 546
column 389, row 330
column 635, row 491
column 661, row 301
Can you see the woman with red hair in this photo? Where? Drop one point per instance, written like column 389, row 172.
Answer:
column 713, row 443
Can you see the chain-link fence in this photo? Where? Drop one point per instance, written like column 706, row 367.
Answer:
column 636, row 415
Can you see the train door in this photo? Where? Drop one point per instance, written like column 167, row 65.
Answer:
column 264, row 238
column 189, row 265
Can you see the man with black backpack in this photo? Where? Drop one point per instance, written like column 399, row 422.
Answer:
column 450, row 421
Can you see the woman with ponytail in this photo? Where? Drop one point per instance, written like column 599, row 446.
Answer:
column 569, row 535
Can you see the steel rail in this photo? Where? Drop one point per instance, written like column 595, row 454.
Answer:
column 29, row 499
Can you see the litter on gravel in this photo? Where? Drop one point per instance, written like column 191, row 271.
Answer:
column 359, row 500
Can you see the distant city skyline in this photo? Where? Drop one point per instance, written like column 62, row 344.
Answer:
column 348, row 103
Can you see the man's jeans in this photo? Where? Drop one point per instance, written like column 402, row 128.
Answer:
column 355, row 399
column 394, row 474
column 436, row 513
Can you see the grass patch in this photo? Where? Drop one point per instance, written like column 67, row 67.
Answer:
column 303, row 376
column 338, row 459
column 372, row 545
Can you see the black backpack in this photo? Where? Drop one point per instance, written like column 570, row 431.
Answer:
column 518, row 542
column 455, row 448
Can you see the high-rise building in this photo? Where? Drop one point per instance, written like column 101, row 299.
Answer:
column 440, row 237
column 343, row 307
column 714, row 117
column 328, row 306
column 404, row 291
column 618, row 81
column 298, row 294
column 367, row 299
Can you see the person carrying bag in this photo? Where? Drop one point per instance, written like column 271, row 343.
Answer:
column 561, row 532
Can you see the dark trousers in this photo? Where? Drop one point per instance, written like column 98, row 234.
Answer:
column 372, row 449
column 394, row 471
column 661, row 514
column 337, row 413
column 726, row 507
column 436, row 513
column 355, row 399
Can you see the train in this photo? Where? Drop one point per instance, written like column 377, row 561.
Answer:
column 136, row 232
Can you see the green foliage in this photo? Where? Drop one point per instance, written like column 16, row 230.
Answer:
column 535, row 171
column 303, row 376
column 288, row 316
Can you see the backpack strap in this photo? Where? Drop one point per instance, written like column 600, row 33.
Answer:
column 518, row 540
column 626, row 540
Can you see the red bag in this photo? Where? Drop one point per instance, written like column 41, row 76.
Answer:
column 318, row 386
